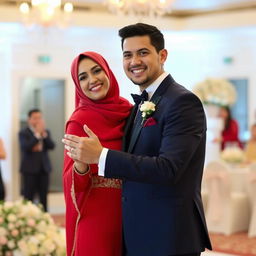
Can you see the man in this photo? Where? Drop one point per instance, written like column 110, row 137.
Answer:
column 35, row 141
column 164, row 154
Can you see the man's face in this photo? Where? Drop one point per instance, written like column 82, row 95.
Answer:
column 35, row 118
column 141, row 62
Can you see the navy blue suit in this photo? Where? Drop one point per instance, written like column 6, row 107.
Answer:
column 35, row 166
column 162, row 171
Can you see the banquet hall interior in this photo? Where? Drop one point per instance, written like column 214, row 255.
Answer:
column 211, row 51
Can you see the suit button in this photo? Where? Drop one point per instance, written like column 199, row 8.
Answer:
column 123, row 198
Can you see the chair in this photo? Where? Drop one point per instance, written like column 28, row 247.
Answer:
column 252, row 196
column 227, row 212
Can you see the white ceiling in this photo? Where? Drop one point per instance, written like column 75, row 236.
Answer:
column 187, row 7
column 180, row 7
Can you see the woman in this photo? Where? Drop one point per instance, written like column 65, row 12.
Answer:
column 93, row 214
column 2, row 156
column 231, row 129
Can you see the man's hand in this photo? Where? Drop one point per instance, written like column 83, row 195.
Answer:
column 83, row 149
column 40, row 128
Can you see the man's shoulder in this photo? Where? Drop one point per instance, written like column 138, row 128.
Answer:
column 25, row 131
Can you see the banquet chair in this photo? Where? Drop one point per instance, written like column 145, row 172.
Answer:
column 227, row 212
column 252, row 197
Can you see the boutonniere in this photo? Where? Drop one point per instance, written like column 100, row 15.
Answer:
column 147, row 109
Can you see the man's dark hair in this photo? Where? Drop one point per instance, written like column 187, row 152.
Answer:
column 34, row 110
column 142, row 29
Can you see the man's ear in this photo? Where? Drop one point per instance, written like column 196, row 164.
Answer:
column 163, row 55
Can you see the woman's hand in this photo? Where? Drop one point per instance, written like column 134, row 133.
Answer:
column 80, row 167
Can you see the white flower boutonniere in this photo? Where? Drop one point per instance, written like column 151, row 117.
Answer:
column 147, row 109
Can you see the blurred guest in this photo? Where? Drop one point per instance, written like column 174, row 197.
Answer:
column 231, row 129
column 250, row 148
column 2, row 156
column 35, row 141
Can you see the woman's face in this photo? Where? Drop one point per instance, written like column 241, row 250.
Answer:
column 223, row 113
column 93, row 80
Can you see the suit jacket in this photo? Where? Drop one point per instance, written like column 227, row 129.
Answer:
column 34, row 162
column 162, row 172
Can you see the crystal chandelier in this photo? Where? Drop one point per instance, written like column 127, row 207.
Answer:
column 140, row 7
column 46, row 12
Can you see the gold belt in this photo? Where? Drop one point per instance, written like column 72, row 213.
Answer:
column 101, row 182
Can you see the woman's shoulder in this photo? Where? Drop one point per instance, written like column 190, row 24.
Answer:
column 82, row 116
column 233, row 122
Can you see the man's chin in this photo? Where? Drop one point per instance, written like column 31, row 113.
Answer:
column 140, row 83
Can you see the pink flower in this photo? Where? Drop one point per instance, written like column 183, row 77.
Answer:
column 31, row 222
column 3, row 240
column 15, row 232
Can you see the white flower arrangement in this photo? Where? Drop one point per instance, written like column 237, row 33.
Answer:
column 147, row 109
column 26, row 230
column 218, row 92
column 233, row 155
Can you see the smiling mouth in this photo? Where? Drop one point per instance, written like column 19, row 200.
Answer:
column 96, row 87
column 137, row 71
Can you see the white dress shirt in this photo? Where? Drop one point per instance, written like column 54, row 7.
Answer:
column 150, row 90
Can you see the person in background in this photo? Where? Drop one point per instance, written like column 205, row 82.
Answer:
column 35, row 141
column 231, row 129
column 250, row 148
column 2, row 156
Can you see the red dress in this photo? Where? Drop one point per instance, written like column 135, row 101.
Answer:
column 93, row 203
column 230, row 135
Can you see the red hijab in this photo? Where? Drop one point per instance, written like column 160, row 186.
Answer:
column 105, row 117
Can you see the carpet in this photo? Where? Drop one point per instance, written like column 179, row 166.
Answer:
column 238, row 244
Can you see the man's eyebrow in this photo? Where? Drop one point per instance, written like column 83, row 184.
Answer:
column 141, row 49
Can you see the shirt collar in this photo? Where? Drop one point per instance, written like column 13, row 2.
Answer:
column 152, row 88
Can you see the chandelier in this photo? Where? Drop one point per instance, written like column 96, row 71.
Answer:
column 46, row 13
column 140, row 7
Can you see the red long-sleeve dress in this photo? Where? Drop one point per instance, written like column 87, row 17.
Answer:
column 230, row 135
column 93, row 203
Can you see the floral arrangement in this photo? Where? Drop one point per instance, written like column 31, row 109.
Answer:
column 26, row 230
column 147, row 109
column 233, row 155
column 218, row 92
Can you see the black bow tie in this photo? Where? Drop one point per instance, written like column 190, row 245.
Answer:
column 140, row 98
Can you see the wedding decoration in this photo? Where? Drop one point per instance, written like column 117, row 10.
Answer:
column 147, row 109
column 46, row 12
column 233, row 155
column 26, row 230
column 214, row 91
column 140, row 7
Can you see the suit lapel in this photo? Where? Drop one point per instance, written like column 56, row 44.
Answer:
column 155, row 99
column 128, row 128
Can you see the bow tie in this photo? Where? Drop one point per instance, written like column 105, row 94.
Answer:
column 140, row 98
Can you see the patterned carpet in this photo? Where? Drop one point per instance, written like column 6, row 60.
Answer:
column 238, row 244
